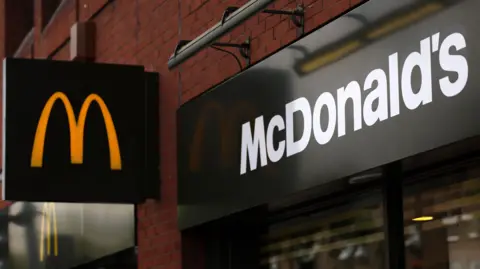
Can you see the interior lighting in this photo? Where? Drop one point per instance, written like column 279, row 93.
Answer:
column 423, row 218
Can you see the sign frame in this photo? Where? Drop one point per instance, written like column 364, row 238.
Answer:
column 354, row 144
column 88, row 98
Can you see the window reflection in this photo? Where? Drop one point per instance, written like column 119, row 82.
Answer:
column 450, row 237
column 348, row 236
column 442, row 229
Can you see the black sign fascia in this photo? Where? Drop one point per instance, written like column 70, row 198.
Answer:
column 152, row 140
column 388, row 80
column 79, row 132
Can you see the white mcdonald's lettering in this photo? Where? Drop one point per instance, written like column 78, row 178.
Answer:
column 387, row 88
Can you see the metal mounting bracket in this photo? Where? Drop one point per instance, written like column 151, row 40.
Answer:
column 297, row 16
column 243, row 48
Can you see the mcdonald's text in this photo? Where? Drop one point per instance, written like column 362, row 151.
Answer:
column 383, row 88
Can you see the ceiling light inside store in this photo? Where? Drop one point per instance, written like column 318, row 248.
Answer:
column 346, row 253
column 423, row 218
column 467, row 217
column 453, row 238
column 273, row 262
column 361, row 252
column 450, row 220
column 473, row 235
column 413, row 240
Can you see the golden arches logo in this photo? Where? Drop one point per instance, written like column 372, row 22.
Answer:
column 49, row 223
column 76, row 130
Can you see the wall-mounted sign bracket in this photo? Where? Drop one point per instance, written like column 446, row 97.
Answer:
column 297, row 16
column 244, row 49
column 217, row 31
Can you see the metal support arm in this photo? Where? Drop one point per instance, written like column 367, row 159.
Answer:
column 217, row 31
column 232, row 17
column 297, row 16
column 244, row 49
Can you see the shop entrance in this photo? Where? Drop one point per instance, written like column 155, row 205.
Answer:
column 441, row 221
column 353, row 226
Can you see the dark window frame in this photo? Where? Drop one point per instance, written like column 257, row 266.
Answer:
column 391, row 185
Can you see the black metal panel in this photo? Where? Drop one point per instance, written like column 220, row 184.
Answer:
column 152, row 139
column 4, row 247
column 381, row 54
column 393, row 216
column 77, row 132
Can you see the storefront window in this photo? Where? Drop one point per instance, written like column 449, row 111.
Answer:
column 442, row 221
column 348, row 235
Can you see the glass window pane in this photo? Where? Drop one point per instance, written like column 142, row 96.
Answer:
column 348, row 235
column 442, row 223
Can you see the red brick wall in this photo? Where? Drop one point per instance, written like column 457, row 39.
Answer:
column 56, row 31
column 268, row 33
column 145, row 32
column 12, row 30
column 18, row 23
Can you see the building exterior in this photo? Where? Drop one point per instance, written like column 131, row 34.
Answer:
column 145, row 33
column 352, row 147
column 230, row 198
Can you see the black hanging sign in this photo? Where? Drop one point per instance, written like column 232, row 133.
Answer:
column 78, row 132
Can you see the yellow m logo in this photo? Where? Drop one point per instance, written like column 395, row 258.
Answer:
column 49, row 219
column 76, row 130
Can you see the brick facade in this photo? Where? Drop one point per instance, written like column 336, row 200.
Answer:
column 145, row 32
